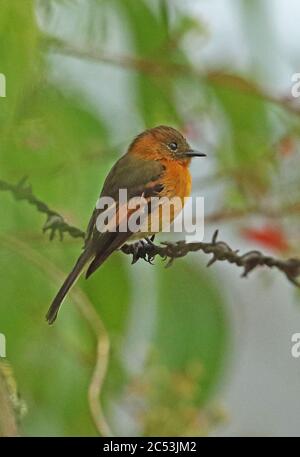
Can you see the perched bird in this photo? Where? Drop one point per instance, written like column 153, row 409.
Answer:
column 156, row 164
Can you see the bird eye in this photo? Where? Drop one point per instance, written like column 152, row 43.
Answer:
column 173, row 146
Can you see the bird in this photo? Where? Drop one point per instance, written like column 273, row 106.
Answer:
column 156, row 164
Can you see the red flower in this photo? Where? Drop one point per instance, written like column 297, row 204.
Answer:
column 268, row 236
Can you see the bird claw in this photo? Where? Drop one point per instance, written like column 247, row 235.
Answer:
column 149, row 240
column 140, row 250
column 137, row 249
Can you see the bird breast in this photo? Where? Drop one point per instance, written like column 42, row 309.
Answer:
column 176, row 180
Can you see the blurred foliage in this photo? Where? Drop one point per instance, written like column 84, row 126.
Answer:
column 52, row 132
column 178, row 310
column 167, row 402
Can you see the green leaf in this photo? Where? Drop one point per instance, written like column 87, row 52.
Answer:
column 192, row 325
column 109, row 290
column 19, row 58
column 244, row 149
column 149, row 32
column 45, row 358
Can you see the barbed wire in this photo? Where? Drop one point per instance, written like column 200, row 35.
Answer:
column 220, row 251
column 168, row 251
column 55, row 223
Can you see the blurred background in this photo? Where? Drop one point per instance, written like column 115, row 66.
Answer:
column 144, row 350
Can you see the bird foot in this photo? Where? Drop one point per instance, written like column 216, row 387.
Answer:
column 141, row 249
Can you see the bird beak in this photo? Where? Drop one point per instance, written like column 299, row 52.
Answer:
column 193, row 153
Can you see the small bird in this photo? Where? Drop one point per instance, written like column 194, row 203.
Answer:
column 155, row 165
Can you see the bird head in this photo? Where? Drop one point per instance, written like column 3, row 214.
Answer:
column 163, row 143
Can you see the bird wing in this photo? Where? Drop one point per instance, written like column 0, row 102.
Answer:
column 140, row 178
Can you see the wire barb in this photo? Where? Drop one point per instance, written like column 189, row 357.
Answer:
column 167, row 251
column 220, row 251
column 55, row 223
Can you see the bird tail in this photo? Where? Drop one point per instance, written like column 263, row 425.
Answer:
column 69, row 282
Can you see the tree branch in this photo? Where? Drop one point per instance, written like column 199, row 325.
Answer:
column 163, row 67
column 220, row 250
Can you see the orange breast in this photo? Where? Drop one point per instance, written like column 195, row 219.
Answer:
column 177, row 180
column 177, row 183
